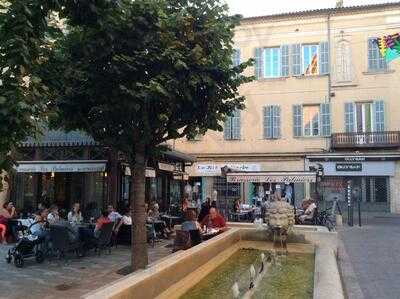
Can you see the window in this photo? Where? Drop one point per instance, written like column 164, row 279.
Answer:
column 232, row 126
column 272, row 67
column 272, row 122
column 310, row 59
column 364, row 117
column 236, row 57
column 311, row 120
column 375, row 60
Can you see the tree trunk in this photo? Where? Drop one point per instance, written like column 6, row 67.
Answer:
column 139, row 258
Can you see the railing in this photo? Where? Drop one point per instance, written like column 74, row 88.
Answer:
column 366, row 140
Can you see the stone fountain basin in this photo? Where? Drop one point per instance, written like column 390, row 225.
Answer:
column 174, row 275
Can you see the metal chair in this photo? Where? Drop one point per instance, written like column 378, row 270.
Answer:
column 62, row 243
column 104, row 239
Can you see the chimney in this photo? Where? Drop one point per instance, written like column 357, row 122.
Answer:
column 339, row 3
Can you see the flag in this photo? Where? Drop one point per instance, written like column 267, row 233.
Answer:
column 312, row 68
column 389, row 46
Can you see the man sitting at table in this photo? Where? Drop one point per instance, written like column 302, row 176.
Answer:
column 214, row 220
column 112, row 214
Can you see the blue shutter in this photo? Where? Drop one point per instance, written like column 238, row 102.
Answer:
column 236, row 57
column 284, row 60
column 228, row 128
column 267, row 119
column 379, row 116
column 258, row 63
column 276, row 121
column 297, row 120
column 349, row 118
column 372, row 59
column 325, row 111
column 236, row 125
column 323, row 58
column 296, row 59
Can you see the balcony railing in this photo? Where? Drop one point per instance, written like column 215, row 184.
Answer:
column 366, row 140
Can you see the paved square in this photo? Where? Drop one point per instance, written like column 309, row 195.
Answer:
column 67, row 279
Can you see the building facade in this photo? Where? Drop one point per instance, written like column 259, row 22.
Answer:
column 322, row 96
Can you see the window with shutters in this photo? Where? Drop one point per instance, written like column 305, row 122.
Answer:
column 375, row 60
column 312, row 120
column 364, row 117
column 272, row 122
column 232, row 126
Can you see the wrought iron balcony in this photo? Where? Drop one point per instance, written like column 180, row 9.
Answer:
column 389, row 139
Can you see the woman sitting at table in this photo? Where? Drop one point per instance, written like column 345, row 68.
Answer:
column 75, row 216
column 191, row 221
column 236, row 206
column 214, row 220
column 103, row 219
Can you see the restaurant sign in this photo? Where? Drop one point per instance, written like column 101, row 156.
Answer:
column 166, row 167
column 60, row 167
column 348, row 166
column 271, row 178
column 215, row 169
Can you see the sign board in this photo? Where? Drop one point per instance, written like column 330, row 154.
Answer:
column 348, row 166
column 166, row 167
column 215, row 169
column 61, row 166
column 265, row 177
column 150, row 172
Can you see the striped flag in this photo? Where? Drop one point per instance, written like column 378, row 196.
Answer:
column 312, row 68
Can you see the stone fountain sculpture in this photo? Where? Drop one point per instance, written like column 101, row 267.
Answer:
column 280, row 220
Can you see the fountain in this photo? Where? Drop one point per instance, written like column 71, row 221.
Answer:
column 280, row 220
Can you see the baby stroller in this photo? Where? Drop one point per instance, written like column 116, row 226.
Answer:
column 27, row 246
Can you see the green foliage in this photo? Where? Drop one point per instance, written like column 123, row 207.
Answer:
column 148, row 71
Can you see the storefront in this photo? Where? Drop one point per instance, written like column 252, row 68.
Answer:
column 63, row 168
column 208, row 179
column 374, row 176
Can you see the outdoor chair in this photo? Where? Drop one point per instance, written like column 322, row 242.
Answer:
column 151, row 234
column 195, row 237
column 62, row 242
column 104, row 239
column 124, row 235
column 182, row 240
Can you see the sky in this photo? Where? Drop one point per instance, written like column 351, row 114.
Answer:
column 250, row 8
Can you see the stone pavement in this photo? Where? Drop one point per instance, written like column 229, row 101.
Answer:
column 67, row 279
column 369, row 258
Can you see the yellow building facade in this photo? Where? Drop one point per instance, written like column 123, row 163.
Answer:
column 322, row 97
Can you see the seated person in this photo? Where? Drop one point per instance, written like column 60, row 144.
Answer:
column 53, row 217
column 191, row 221
column 103, row 219
column 205, row 209
column 6, row 212
column 155, row 212
column 214, row 220
column 236, row 206
column 112, row 214
column 125, row 220
column 75, row 215
column 39, row 227
column 309, row 212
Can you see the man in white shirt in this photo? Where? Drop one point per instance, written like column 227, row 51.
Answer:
column 112, row 214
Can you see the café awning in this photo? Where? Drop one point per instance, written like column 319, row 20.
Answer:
column 272, row 177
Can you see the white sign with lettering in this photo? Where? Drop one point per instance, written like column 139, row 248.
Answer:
column 61, row 167
column 215, row 169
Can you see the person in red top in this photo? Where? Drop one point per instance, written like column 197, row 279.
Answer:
column 103, row 219
column 214, row 220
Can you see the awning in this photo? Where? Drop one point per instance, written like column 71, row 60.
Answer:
column 272, row 177
column 62, row 166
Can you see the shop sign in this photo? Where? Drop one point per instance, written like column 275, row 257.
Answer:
column 166, row 167
column 216, row 168
column 271, row 178
column 61, row 167
column 348, row 166
column 150, row 172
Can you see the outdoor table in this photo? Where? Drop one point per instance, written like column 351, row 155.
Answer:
column 171, row 219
